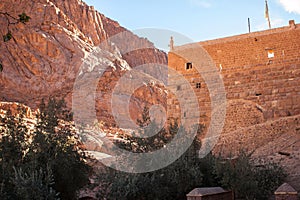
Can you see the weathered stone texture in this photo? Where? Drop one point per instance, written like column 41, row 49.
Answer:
column 44, row 57
column 262, row 92
column 248, row 73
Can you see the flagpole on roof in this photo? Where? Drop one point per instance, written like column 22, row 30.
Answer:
column 267, row 16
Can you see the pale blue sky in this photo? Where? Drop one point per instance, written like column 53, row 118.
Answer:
column 199, row 19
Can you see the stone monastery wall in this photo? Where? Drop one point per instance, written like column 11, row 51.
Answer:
column 261, row 67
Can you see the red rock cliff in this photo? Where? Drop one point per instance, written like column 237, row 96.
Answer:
column 44, row 56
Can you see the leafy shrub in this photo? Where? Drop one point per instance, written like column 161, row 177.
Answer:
column 47, row 160
column 247, row 180
column 171, row 182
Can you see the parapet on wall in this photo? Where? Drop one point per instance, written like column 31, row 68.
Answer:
column 261, row 67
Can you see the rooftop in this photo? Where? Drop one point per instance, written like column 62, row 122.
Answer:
column 205, row 191
column 286, row 189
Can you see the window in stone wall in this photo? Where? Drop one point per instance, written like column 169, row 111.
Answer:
column 188, row 66
column 270, row 53
column 198, row 85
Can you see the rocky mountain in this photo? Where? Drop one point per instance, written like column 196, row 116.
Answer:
column 45, row 55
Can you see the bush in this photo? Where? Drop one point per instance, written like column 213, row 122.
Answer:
column 247, row 180
column 171, row 182
column 34, row 185
column 47, row 161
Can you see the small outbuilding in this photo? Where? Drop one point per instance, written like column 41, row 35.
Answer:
column 286, row 192
column 210, row 193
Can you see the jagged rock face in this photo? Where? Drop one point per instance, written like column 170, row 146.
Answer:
column 45, row 55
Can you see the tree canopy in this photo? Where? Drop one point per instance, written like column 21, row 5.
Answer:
column 45, row 163
column 240, row 175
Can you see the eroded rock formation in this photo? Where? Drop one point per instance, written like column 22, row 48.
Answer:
column 45, row 56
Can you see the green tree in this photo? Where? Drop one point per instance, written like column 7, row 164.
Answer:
column 247, row 180
column 48, row 161
column 171, row 182
column 56, row 145
column 12, row 147
column 145, row 118
column 34, row 185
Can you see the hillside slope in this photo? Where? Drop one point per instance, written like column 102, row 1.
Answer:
column 44, row 57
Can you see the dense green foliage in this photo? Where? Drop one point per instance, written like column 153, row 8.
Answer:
column 45, row 164
column 48, row 164
column 171, row 182
column 188, row 172
column 248, row 181
column 241, row 175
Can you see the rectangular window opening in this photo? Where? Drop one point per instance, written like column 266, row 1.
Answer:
column 270, row 53
column 188, row 66
column 198, row 85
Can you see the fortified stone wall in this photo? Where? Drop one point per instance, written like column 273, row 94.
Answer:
column 261, row 67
